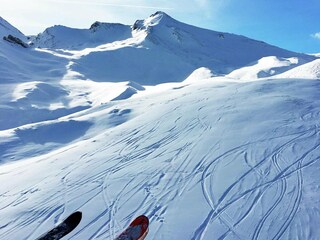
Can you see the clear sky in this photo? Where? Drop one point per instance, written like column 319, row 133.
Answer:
column 290, row 24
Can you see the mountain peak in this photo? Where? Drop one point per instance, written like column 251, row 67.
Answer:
column 64, row 37
column 160, row 14
column 155, row 19
column 97, row 25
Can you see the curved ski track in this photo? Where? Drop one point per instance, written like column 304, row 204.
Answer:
column 154, row 168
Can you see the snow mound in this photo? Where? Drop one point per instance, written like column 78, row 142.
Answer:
column 265, row 67
column 309, row 70
column 39, row 92
column 129, row 92
column 200, row 74
column 32, row 102
column 117, row 117
column 136, row 86
column 56, row 132
column 32, row 140
column 62, row 37
column 131, row 89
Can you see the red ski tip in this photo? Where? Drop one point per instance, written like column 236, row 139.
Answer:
column 137, row 229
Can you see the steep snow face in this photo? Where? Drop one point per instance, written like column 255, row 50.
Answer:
column 20, row 65
column 29, row 91
column 266, row 67
column 6, row 29
column 61, row 37
column 309, row 70
column 221, row 52
column 154, row 20
column 147, row 66
column 200, row 74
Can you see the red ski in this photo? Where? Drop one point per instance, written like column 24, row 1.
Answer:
column 137, row 230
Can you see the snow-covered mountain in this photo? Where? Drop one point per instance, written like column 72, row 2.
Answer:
column 7, row 29
column 61, row 37
column 158, row 49
column 310, row 70
column 221, row 52
column 211, row 135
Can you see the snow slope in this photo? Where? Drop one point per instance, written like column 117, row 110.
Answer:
column 6, row 29
column 36, row 84
column 29, row 83
column 61, row 37
column 159, row 49
column 218, row 51
column 265, row 67
column 214, row 159
column 33, row 73
column 146, row 122
column 310, row 70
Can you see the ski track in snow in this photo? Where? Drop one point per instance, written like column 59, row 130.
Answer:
column 249, row 187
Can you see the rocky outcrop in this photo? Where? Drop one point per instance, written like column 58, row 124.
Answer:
column 15, row 40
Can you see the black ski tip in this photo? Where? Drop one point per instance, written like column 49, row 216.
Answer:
column 74, row 219
column 64, row 228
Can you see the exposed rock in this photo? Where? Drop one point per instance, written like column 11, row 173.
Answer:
column 15, row 40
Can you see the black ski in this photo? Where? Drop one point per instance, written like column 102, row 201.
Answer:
column 64, row 228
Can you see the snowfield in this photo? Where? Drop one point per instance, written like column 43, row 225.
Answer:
column 154, row 121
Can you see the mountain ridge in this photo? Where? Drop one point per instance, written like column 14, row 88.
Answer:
column 60, row 36
column 6, row 28
column 159, row 49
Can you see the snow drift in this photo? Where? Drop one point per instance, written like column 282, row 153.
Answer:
column 309, row 70
column 265, row 67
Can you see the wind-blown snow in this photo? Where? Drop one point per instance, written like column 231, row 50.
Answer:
column 309, row 70
column 147, row 123
column 265, row 67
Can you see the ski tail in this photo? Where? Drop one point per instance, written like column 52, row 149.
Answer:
column 137, row 230
column 64, row 228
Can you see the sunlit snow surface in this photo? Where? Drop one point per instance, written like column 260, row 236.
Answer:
column 208, row 160
column 208, row 157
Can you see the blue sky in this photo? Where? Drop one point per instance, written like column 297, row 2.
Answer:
column 291, row 24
